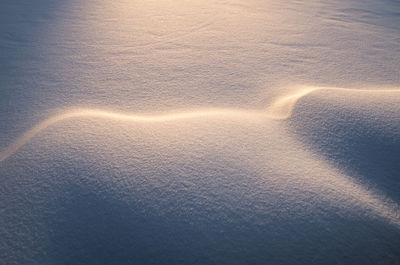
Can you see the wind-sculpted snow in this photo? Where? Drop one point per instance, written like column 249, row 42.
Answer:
column 216, row 177
column 283, row 107
column 102, row 114
column 358, row 132
column 172, row 132
column 280, row 109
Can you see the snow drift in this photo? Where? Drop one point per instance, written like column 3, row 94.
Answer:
column 170, row 132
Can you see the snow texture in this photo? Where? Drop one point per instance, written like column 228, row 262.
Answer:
column 199, row 132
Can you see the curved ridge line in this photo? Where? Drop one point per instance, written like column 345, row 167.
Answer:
column 97, row 113
column 283, row 107
column 280, row 109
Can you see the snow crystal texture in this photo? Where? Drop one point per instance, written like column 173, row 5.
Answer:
column 199, row 132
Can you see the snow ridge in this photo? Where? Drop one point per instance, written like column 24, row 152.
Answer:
column 280, row 109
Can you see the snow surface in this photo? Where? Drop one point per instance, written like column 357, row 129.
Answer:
column 199, row 132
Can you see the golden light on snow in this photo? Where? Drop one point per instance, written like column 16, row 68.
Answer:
column 144, row 129
column 280, row 109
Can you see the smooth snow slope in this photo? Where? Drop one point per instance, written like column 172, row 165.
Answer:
column 199, row 132
column 281, row 109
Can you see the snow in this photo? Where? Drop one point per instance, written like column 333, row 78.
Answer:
column 199, row 132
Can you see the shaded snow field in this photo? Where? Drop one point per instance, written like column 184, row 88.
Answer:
column 176, row 132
